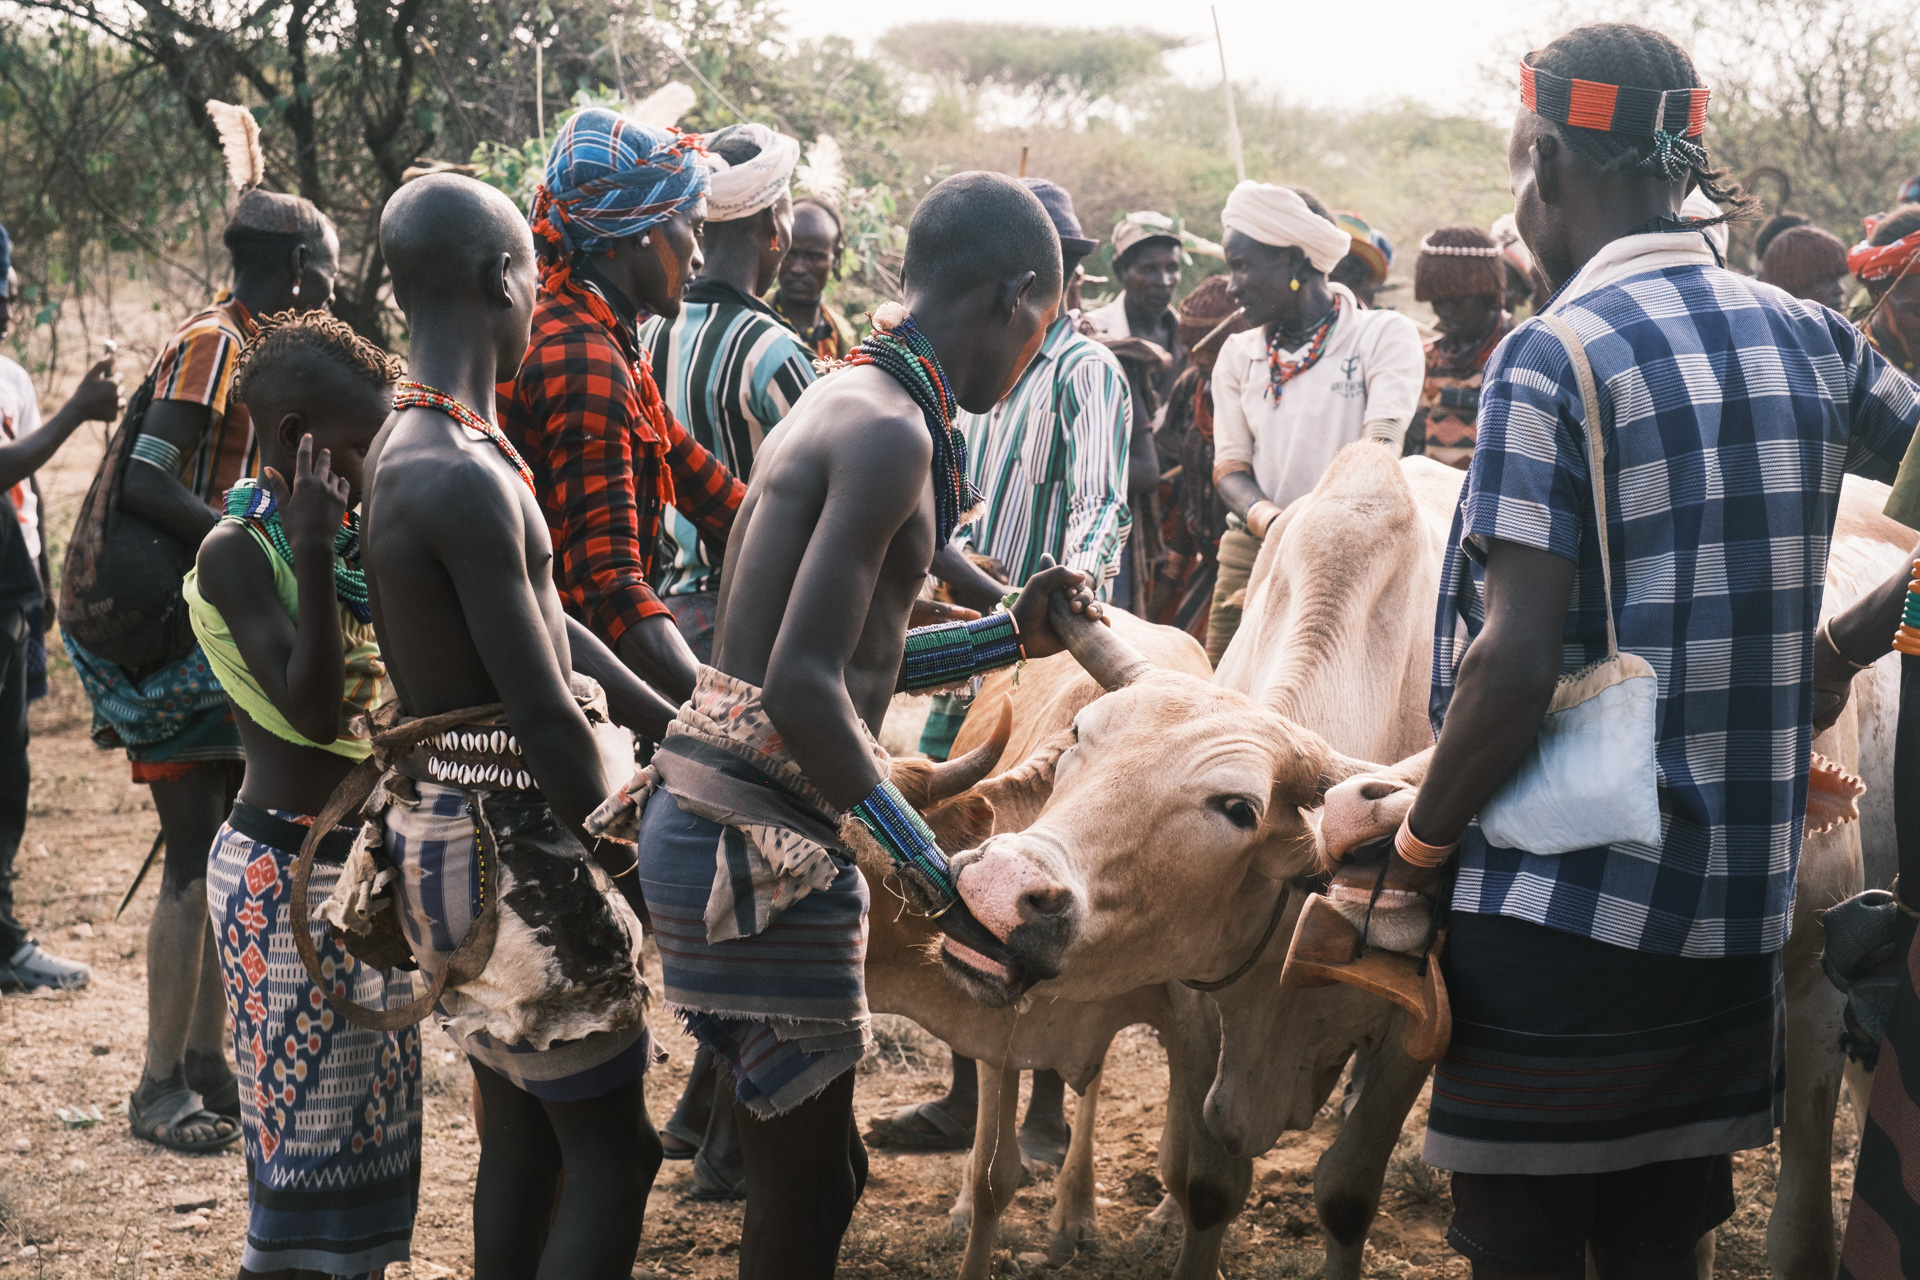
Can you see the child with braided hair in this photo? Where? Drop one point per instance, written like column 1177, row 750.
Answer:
column 330, row 1112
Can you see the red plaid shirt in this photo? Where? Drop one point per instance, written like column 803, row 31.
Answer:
column 577, row 411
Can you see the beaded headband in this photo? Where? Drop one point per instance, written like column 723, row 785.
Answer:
column 1612, row 108
column 1461, row 250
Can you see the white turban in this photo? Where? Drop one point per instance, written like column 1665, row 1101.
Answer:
column 1279, row 217
column 744, row 189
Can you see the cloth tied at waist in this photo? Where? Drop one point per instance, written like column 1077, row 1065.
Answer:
column 792, row 831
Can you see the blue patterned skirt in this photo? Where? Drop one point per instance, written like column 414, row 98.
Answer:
column 329, row 1111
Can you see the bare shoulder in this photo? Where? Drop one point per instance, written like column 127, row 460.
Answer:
column 856, row 416
column 426, row 467
column 233, row 568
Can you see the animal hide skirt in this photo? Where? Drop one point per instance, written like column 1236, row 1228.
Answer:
column 1575, row 1056
column 785, row 1008
column 559, row 1010
column 329, row 1111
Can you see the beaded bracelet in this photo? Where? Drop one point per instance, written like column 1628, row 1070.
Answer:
column 910, row 846
column 1907, row 638
column 1412, row 849
column 950, row 652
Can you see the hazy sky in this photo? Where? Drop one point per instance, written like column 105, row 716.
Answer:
column 1324, row 54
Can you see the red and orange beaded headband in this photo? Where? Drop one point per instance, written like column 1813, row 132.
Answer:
column 1612, row 108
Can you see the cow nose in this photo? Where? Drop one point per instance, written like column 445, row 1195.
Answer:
column 1379, row 788
column 1045, row 903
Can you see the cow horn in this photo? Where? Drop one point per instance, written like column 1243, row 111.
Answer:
column 954, row 776
column 1104, row 655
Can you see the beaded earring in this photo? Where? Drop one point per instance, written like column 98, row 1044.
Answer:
column 296, row 291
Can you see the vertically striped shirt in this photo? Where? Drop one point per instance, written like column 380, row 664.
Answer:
column 1051, row 461
column 196, row 367
column 729, row 369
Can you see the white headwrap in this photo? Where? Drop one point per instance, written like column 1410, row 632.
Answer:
column 1278, row 216
column 744, row 189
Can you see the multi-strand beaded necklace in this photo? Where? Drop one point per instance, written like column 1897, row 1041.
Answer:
column 254, row 503
column 1280, row 370
column 418, row 395
column 903, row 351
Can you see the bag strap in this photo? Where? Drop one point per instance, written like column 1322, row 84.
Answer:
column 1596, row 456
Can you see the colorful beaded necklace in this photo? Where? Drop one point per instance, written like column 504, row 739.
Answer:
column 1281, row 370
column 903, row 351
column 418, row 395
column 254, row 503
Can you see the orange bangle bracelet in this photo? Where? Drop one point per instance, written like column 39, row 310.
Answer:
column 1417, row 852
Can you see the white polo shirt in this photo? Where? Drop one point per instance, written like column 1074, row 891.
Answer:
column 1366, row 385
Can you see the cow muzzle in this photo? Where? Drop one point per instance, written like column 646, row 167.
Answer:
column 1015, row 888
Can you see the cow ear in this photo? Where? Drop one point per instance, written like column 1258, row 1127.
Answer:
column 1287, row 846
column 1019, row 794
column 963, row 822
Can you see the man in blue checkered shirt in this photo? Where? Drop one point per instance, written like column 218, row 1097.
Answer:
column 1617, row 1010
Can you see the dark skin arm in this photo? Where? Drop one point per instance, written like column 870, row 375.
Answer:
column 298, row 665
column 1860, row 634
column 1506, row 684
column 630, row 700
column 97, row 398
column 159, row 498
column 971, row 585
column 655, row 651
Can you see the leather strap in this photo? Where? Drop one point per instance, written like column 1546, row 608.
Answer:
column 1260, row 948
column 1596, row 454
column 470, row 958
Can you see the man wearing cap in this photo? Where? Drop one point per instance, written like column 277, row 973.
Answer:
column 1148, row 254
column 1313, row 374
column 27, row 445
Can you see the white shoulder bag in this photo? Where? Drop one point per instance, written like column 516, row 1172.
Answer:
column 1589, row 778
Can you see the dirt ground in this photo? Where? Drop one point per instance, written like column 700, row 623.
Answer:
column 93, row 1202
column 89, row 1202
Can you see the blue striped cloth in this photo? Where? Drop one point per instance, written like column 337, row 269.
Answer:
column 1732, row 411
column 785, row 1008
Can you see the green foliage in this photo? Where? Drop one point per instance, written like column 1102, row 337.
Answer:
column 1070, row 62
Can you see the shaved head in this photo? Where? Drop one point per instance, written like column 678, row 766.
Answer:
column 443, row 233
column 978, row 227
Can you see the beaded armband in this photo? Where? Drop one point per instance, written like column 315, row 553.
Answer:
column 910, row 846
column 1907, row 638
column 951, row 652
column 156, row 452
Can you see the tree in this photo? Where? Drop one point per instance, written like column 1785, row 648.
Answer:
column 1058, row 74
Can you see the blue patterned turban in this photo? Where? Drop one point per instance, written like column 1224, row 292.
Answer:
column 607, row 178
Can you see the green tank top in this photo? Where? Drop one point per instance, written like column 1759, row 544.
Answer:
column 362, row 656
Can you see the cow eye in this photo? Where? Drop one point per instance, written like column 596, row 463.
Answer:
column 1241, row 814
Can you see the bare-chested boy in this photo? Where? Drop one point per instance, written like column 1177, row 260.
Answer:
column 763, row 934
column 486, row 816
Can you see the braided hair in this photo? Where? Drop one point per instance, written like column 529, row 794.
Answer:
column 286, row 342
column 1625, row 54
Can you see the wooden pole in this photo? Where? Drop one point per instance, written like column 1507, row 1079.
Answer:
column 540, row 89
column 1023, row 163
column 1226, row 86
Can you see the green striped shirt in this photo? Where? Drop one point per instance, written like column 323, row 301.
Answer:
column 729, row 370
column 1051, row 461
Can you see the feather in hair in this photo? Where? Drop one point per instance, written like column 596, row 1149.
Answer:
column 240, row 139
column 664, row 106
column 823, row 174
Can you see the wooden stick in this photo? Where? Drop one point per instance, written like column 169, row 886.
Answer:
column 159, row 843
column 1226, row 86
column 1023, row 163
